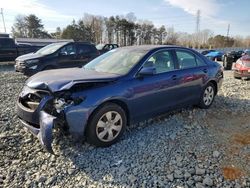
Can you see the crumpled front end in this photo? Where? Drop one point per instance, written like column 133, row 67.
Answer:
column 40, row 111
column 32, row 109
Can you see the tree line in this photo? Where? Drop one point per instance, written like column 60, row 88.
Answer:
column 124, row 30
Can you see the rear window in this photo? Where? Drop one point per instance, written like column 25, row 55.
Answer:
column 188, row 60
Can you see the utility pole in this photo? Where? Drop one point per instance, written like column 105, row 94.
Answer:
column 198, row 15
column 228, row 29
column 3, row 20
column 197, row 29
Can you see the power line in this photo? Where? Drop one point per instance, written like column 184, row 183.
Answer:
column 3, row 20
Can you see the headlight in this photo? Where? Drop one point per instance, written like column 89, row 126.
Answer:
column 32, row 61
column 33, row 67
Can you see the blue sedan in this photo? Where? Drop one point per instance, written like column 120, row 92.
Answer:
column 215, row 55
column 121, row 87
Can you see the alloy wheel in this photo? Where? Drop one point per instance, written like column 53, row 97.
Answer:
column 208, row 95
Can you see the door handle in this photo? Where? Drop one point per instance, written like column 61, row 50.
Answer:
column 174, row 77
column 205, row 70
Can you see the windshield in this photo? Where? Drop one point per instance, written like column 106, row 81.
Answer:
column 51, row 48
column 116, row 61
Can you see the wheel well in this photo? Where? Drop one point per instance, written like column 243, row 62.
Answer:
column 215, row 85
column 120, row 103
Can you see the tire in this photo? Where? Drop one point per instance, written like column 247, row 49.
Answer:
column 227, row 64
column 207, row 96
column 112, row 121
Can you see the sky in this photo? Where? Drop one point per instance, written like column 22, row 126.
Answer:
column 215, row 15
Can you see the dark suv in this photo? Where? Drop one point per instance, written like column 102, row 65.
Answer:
column 56, row 55
column 230, row 57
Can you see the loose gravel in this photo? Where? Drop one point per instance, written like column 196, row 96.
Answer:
column 187, row 148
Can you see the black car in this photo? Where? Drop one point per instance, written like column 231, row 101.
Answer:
column 9, row 50
column 230, row 57
column 103, row 48
column 56, row 55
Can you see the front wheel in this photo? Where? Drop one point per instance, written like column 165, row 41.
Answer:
column 207, row 97
column 106, row 125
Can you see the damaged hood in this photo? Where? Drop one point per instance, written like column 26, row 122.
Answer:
column 63, row 79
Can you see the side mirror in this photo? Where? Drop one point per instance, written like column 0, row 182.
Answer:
column 147, row 71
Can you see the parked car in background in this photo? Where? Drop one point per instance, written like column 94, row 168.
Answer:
column 124, row 85
column 103, row 48
column 246, row 52
column 56, row 55
column 205, row 52
column 9, row 50
column 230, row 57
column 242, row 67
column 214, row 55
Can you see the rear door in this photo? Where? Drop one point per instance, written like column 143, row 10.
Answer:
column 85, row 53
column 192, row 73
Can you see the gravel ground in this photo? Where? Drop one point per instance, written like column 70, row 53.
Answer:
column 188, row 148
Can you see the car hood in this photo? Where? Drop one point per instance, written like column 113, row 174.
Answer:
column 29, row 56
column 63, row 79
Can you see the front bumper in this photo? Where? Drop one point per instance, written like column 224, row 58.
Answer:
column 25, row 70
column 44, row 133
column 41, row 119
column 38, row 122
column 240, row 74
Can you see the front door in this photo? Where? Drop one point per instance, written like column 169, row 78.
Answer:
column 67, row 56
column 156, row 93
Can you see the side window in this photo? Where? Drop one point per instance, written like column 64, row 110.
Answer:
column 200, row 62
column 186, row 59
column 68, row 50
column 162, row 61
column 84, row 49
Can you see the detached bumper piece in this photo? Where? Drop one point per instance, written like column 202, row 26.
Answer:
column 44, row 133
column 30, row 110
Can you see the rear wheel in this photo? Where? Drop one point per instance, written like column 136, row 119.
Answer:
column 106, row 125
column 207, row 97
